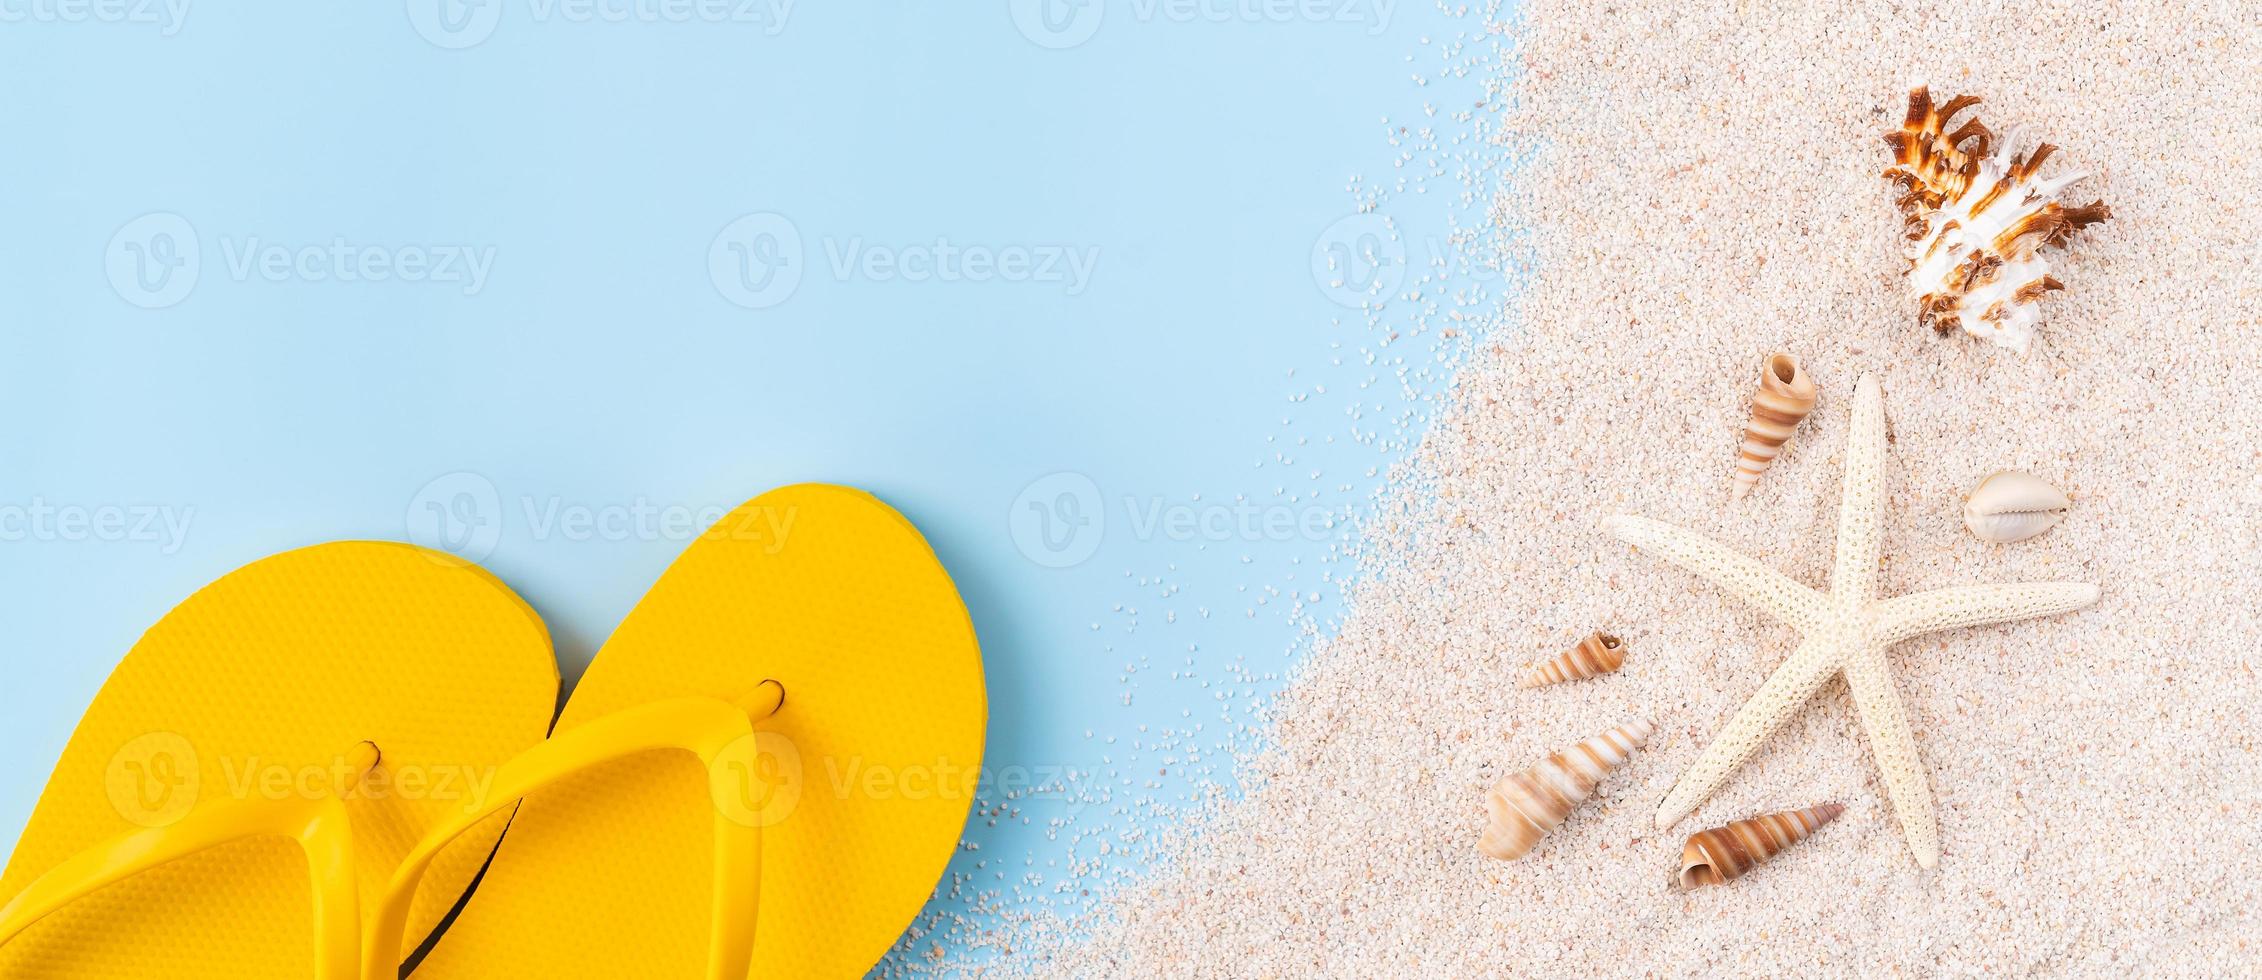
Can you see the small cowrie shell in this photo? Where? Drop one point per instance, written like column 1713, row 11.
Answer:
column 2013, row 506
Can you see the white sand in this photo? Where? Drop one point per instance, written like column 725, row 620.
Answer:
column 1705, row 191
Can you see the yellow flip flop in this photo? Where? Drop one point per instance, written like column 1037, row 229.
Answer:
column 768, row 765
column 253, row 773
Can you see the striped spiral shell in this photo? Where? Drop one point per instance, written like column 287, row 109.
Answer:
column 1600, row 653
column 1524, row 806
column 1724, row 854
column 1784, row 398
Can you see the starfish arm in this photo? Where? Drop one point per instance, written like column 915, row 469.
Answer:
column 1861, row 504
column 1894, row 746
column 1786, row 689
column 1906, row 616
column 1772, row 591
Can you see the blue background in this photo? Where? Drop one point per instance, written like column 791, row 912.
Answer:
column 601, row 366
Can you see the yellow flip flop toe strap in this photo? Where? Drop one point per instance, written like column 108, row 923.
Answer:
column 719, row 733
column 319, row 825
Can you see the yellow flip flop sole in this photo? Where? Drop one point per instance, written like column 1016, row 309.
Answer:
column 846, row 800
column 380, row 682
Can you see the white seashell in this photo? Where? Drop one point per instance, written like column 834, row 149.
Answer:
column 1977, row 219
column 2013, row 506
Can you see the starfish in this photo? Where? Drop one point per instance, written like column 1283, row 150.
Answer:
column 1844, row 632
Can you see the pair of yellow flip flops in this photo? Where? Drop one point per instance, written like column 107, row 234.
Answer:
column 763, row 772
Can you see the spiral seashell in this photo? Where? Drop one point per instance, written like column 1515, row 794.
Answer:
column 1524, row 806
column 2013, row 506
column 1724, row 854
column 1598, row 654
column 1975, row 221
column 1785, row 396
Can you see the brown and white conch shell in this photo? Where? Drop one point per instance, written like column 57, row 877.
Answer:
column 1598, row 654
column 1724, row 854
column 1785, row 396
column 2013, row 506
column 1976, row 219
column 1524, row 806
